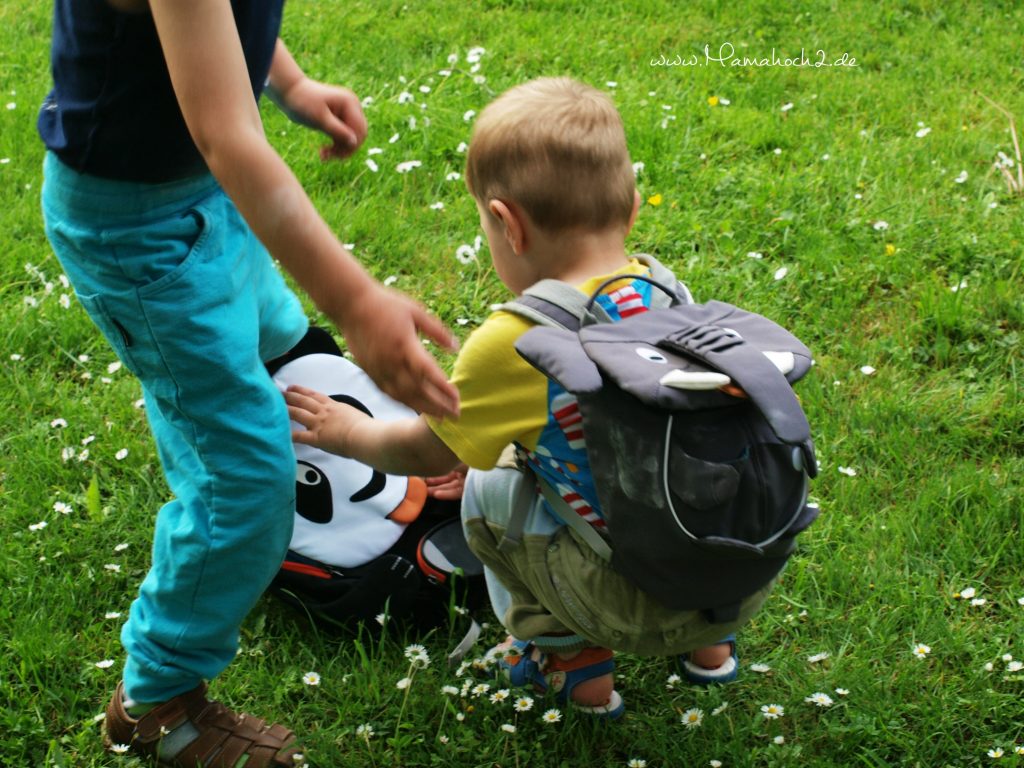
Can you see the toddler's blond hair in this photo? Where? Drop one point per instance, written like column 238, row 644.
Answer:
column 557, row 148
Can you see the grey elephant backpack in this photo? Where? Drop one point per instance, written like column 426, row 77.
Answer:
column 699, row 449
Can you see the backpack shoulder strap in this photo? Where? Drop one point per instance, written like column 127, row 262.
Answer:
column 662, row 274
column 557, row 304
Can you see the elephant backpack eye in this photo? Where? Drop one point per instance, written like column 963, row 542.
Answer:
column 651, row 355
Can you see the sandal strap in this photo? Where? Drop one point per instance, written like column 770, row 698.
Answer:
column 223, row 737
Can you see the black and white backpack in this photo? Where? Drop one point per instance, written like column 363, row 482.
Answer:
column 365, row 544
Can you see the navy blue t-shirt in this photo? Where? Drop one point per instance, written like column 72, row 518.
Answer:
column 112, row 111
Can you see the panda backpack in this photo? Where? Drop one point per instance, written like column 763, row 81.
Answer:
column 365, row 544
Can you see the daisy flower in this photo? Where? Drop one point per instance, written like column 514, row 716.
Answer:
column 780, row 739
column 720, row 709
column 762, row 668
column 465, row 254
column 480, row 689
column 551, row 716
column 715, row 763
column 996, row 753
column 1015, row 666
column 921, row 650
column 636, row 762
column 311, row 678
column 417, row 654
column 364, row 731
column 105, row 664
column 119, row 749
column 773, row 711
column 450, row 690
column 672, row 681
column 499, row 696
column 692, row 718
column 404, row 683
column 965, row 594
column 842, row 692
column 819, row 699
column 508, row 728
column 818, row 657
column 524, row 704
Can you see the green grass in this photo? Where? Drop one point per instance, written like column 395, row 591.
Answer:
column 934, row 435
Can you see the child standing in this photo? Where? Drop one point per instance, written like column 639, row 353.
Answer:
column 555, row 189
column 164, row 202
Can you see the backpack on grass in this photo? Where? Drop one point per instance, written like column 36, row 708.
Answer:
column 366, row 543
column 698, row 447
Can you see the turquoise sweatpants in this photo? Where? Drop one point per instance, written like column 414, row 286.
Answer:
column 192, row 303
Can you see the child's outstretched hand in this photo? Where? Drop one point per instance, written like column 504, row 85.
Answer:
column 327, row 422
column 382, row 329
column 448, row 487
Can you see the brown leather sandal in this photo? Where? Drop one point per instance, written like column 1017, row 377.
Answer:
column 190, row 730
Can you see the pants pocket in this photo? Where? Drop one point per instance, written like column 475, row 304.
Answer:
column 113, row 330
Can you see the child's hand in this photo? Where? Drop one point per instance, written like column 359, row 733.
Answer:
column 448, row 487
column 331, row 110
column 382, row 329
column 327, row 422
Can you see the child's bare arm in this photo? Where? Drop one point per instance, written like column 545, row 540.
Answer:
column 208, row 71
column 403, row 447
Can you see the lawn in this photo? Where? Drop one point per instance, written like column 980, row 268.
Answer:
column 863, row 203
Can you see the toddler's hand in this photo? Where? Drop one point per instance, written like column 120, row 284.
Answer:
column 448, row 487
column 327, row 421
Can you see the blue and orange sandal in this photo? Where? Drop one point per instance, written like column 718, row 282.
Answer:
column 698, row 675
column 548, row 672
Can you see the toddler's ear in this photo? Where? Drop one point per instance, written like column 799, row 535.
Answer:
column 513, row 223
column 636, row 210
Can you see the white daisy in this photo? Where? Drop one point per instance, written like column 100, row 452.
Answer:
column 404, row 683
column 921, row 650
column 692, row 718
column 508, row 728
column 819, row 699
column 311, row 678
column 551, row 716
column 772, row 711
column 524, row 704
